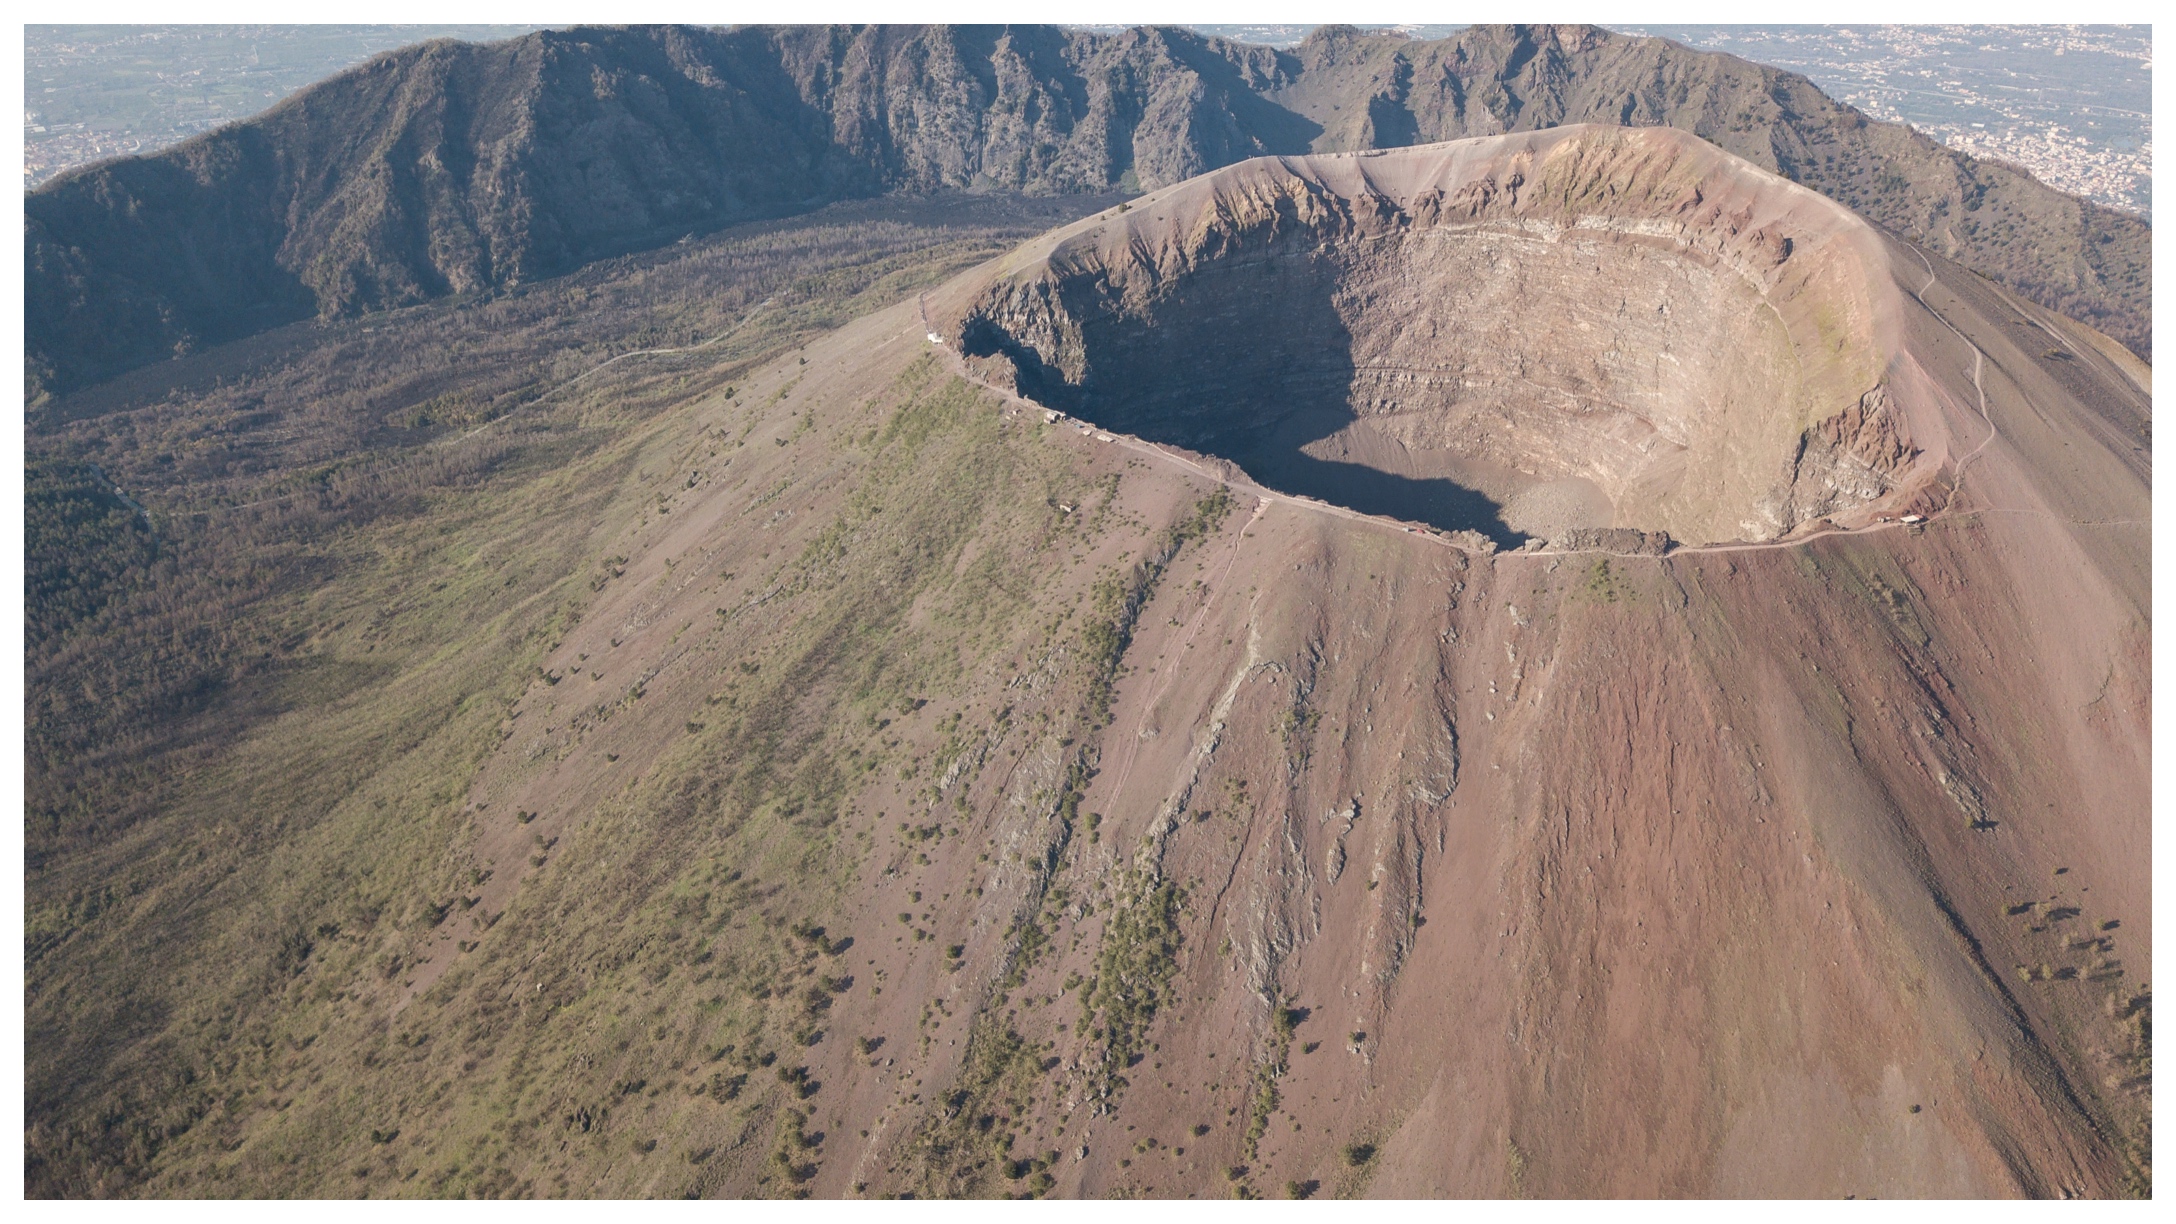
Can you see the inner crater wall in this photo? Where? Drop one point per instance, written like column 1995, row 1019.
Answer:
column 1523, row 370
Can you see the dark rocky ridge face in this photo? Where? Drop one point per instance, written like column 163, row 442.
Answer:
column 452, row 168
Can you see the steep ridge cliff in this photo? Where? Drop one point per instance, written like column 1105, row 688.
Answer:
column 450, row 168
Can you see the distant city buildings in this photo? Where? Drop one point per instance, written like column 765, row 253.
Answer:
column 2071, row 104
column 49, row 150
column 94, row 92
column 2062, row 160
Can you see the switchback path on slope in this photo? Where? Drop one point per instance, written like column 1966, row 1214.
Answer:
column 1979, row 364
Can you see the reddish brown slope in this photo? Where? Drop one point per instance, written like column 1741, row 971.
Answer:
column 1807, row 866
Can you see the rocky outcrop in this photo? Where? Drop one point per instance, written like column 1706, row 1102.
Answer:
column 1848, row 460
column 1625, row 540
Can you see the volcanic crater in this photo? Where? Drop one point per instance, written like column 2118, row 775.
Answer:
column 1528, row 336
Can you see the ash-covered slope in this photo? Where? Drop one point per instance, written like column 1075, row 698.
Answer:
column 919, row 796
column 451, row 168
column 1330, row 857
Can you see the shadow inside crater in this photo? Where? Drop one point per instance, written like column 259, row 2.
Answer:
column 1440, row 503
column 1246, row 360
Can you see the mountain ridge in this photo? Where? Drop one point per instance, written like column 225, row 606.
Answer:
column 450, row 168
